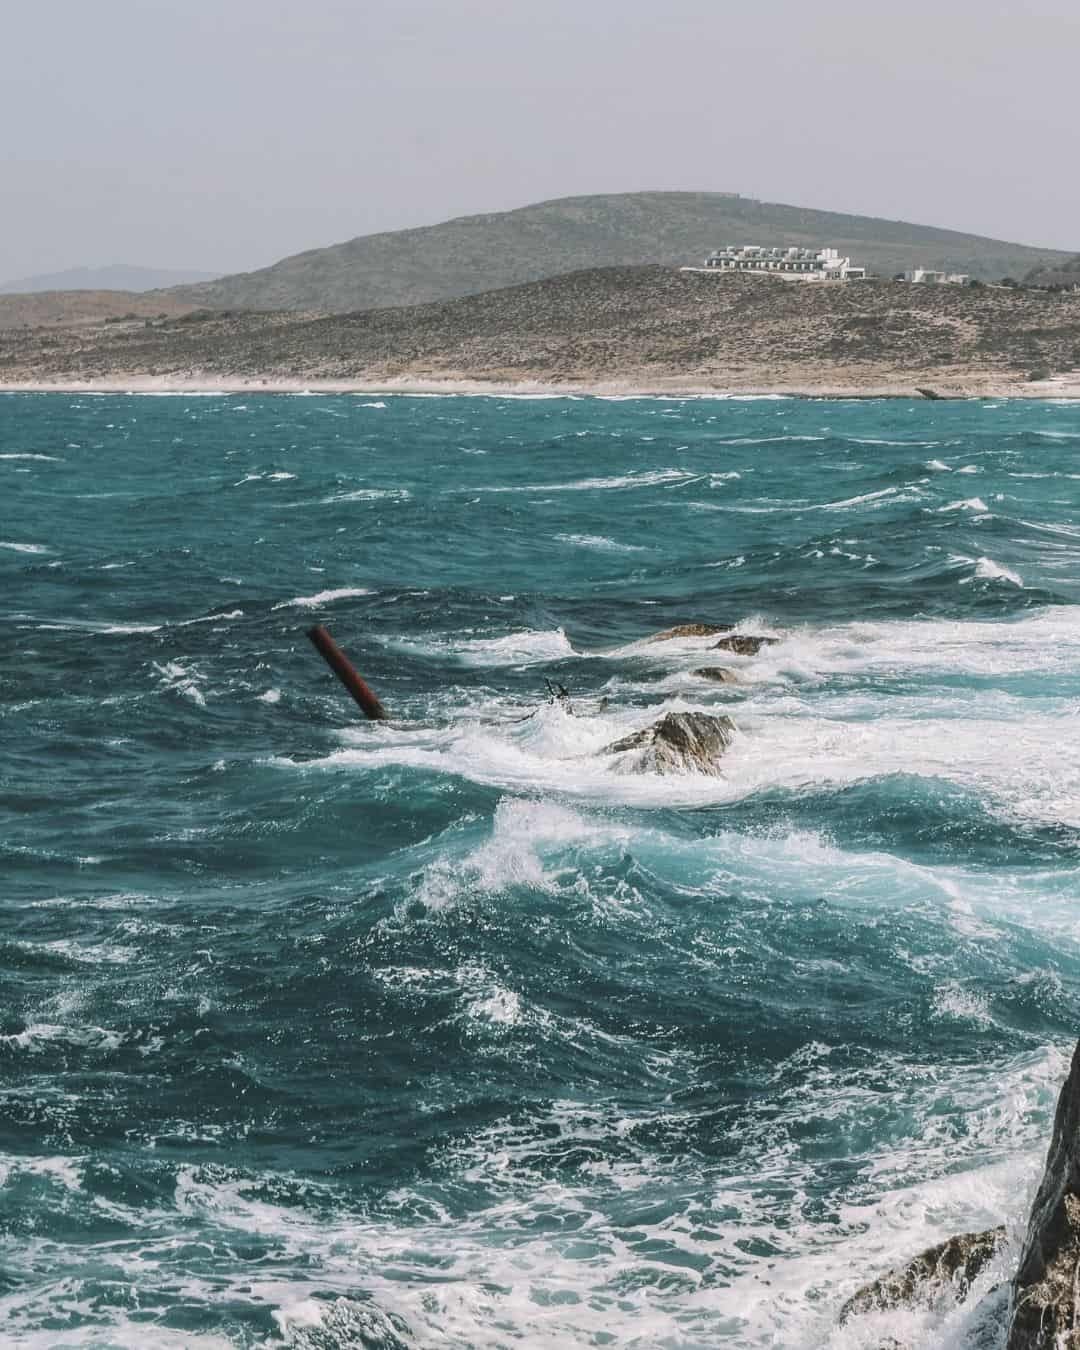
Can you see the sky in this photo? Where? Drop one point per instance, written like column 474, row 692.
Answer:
column 224, row 134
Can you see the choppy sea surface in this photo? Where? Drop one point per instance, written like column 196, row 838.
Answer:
column 443, row 1032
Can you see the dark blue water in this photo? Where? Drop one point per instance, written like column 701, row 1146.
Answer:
column 445, row 1032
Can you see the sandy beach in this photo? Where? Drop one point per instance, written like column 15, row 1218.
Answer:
column 968, row 387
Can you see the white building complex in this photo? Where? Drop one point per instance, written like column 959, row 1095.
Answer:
column 925, row 276
column 804, row 264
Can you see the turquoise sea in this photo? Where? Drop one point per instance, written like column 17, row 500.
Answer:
column 442, row 1032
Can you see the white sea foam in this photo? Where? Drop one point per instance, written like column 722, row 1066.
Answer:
column 599, row 542
column 24, row 548
column 322, row 598
column 989, row 570
column 211, row 618
column 523, row 648
column 369, row 495
column 278, row 476
column 37, row 1037
column 52, row 459
column 766, row 440
column 969, row 504
column 795, row 733
column 177, row 678
column 645, row 478
column 611, row 1247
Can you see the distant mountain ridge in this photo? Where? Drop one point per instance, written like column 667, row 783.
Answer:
column 118, row 277
column 479, row 253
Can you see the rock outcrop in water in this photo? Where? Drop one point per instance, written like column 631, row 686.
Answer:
column 744, row 644
column 1046, row 1287
column 718, row 674
column 678, row 743
column 949, row 1268
column 682, row 630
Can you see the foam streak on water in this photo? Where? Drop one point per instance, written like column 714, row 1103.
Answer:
column 443, row 1032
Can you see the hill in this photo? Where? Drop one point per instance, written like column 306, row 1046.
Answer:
column 116, row 278
column 1064, row 274
column 634, row 327
column 45, row 309
column 479, row 253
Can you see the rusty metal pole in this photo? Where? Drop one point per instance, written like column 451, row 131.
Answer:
column 343, row 668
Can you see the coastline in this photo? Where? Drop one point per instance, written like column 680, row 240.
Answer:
column 1058, row 388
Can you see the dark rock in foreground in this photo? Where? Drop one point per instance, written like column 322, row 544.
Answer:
column 951, row 1267
column 678, row 743
column 744, row 644
column 1046, row 1288
column 682, row 630
column 1042, row 1310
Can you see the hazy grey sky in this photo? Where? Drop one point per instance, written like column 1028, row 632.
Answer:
column 185, row 133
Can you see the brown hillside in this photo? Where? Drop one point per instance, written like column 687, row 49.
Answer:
column 42, row 309
column 647, row 326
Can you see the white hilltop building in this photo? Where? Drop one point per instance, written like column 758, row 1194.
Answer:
column 926, row 276
column 793, row 264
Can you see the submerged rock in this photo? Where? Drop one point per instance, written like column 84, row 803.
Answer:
column 1046, row 1287
column 678, row 743
column 950, row 1267
column 744, row 644
column 682, row 630
column 719, row 674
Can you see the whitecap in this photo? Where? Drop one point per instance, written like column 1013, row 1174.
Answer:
column 599, row 542
column 646, row 478
column 322, row 597
column 967, row 504
column 368, row 495
column 38, row 1035
column 989, row 570
column 178, row 679
column 522, row 648
column 210, row 618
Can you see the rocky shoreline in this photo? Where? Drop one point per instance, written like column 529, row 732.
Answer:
column 612, row 331
column 1039, row 1309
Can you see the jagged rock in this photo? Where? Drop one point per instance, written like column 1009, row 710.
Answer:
column 678, row 743
column 682, row 630
column 1046, row 1287
column 950, row 1266
column 720, row 674
column 744, row 644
